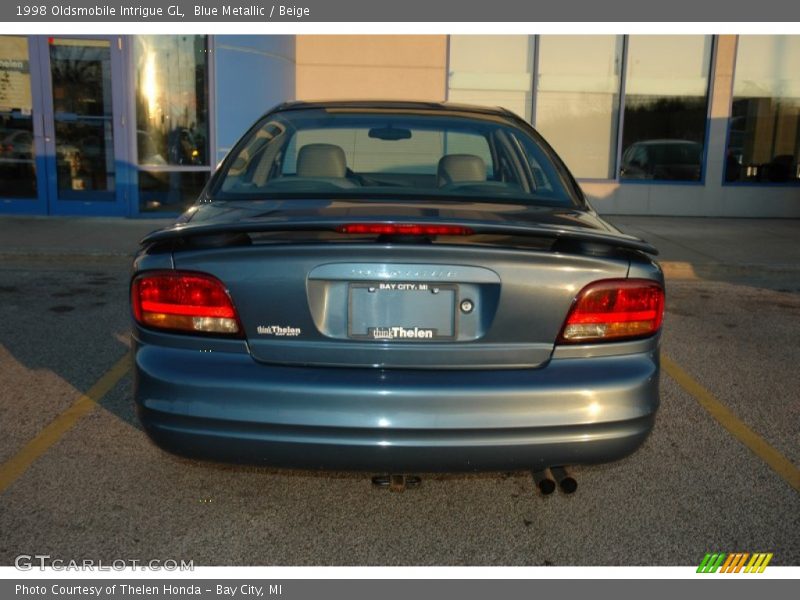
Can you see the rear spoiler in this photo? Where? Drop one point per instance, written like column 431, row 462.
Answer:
column 182, row 231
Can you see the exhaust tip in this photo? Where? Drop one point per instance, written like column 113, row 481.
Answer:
column 568, row 485
column 396, row 482
column 566, row 482
column 543, row 481
column 547, row 486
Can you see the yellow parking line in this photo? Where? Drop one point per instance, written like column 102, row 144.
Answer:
column 758, row 445
column 14, row 467
column 678, row 270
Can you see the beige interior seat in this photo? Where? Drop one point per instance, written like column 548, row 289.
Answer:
column 460, row 168
column 321, row 160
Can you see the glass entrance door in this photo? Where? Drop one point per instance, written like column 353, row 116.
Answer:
column 21, row 167
column 83, row 145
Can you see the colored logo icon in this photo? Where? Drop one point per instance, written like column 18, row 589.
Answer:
column 734, row 562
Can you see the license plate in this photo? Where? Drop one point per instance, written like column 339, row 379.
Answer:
column 406, row 311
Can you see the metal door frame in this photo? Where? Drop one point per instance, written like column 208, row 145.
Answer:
column 119, row 107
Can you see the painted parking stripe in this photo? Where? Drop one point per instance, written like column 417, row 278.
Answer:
column 758, row 445
column 14, row 467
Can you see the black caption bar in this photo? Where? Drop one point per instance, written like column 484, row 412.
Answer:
column 333, row 589
column 441, row 11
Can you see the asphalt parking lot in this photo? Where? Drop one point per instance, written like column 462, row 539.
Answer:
column 86, row 483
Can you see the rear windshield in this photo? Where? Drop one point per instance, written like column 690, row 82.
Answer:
column 350, row 154
column 677, row 154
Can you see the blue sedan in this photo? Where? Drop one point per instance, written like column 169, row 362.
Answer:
column 396, row 287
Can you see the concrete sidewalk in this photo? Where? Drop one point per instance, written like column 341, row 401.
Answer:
column 719, row 248
column 74, row 236
column 706, row 248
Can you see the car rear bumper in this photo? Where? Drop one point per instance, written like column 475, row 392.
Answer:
column 226, row 406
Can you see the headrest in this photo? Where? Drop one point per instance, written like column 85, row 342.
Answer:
column 321, row 160
column 460, row 168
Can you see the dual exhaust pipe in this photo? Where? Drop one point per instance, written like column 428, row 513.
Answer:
column 546, row 480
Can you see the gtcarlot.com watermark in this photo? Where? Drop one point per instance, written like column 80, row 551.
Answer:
column 28, row 562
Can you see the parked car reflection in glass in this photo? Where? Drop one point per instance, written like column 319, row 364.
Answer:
column 663, row 159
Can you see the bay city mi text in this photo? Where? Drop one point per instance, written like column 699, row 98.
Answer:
column 125, row 589
column 143, row 11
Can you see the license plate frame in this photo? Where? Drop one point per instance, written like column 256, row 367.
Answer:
column 415, row 332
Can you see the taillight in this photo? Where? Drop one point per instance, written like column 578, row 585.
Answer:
column 614, row 310
column 183, row 301
column 403, row 229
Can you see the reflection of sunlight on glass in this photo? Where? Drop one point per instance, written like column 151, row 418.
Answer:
column 149, row 83
column 382, row 422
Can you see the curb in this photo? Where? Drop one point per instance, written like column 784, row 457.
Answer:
column 64, row 253
column 681, row 270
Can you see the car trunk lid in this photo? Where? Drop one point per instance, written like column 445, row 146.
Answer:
column 308, row 294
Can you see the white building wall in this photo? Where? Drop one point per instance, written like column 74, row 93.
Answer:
column 252, row 74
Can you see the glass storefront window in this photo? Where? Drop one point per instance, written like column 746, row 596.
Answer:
column 17, row 148
column 170, row 191
column 666, row 107
column 171, row 99
column 492, row 70
column 764, row 129
column 577, row 100
column 171, row 120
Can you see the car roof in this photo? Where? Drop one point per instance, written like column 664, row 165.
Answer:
column 399, row 105
column 665, row 142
